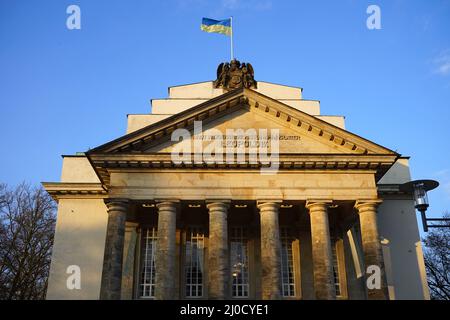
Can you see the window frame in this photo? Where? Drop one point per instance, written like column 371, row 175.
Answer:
column 245, row 234
column 338, row 246
column 140, row 262
column 296, row 259
column 183, row 257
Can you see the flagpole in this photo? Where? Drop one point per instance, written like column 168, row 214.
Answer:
column 231, row 26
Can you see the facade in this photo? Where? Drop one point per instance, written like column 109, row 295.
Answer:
column 141, row 225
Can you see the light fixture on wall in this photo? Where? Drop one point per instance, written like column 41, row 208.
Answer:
column 419, row 189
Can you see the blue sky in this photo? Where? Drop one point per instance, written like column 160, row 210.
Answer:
column 63, row 91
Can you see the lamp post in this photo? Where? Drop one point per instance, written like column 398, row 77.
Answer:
column 419, row 188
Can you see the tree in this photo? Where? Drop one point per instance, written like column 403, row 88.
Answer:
column 437, row 261
column 27, row 222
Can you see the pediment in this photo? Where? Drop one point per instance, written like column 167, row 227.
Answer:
column 298, row 132
column 305, row 142
column 244, row 128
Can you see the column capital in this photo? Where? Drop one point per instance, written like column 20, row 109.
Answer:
column 268, row 204
column 118, row 204
column 218, row 204
column 320, row 204
column 170, row 205
column 367, row 205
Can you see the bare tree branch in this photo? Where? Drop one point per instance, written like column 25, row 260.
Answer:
column 27, row 222
column 437, row 262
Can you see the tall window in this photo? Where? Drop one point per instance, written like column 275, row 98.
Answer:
column 337, row 281
column 147, row 285
column 194, row 262
column 239, row 262
column 287, row 263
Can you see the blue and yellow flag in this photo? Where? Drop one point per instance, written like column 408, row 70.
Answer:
column 217, row 26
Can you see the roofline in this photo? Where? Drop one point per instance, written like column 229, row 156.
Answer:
column 280, row 99
column 180, row 114
column 224, row 96
column 73, row 156
column 188, row 84
column 179, row 99
column 329, row 115
column 325, row 122
column 257, row 81
column 149, row 114
column 284, row 85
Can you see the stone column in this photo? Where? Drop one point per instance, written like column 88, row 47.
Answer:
column 270, row 250
column 128, row 260
column 218, row 252
column 373, row 255
column 113, row 257
column 321, row 250
column 165, row 251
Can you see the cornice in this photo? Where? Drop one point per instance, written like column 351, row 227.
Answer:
column 379, row 164
column 59, row 190
column 393, row 191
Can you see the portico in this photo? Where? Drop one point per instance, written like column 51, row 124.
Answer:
column 271, row 229
column 217, row 226
column 308, row 189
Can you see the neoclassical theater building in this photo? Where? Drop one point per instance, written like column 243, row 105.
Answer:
column 150, row 216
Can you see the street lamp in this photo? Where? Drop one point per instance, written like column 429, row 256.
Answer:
column 419, row 188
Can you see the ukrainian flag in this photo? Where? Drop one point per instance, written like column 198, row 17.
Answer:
column 216, row 26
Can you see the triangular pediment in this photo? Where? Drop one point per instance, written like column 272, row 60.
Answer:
column 299, row 133
column 305, row 142
column 243, row 128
